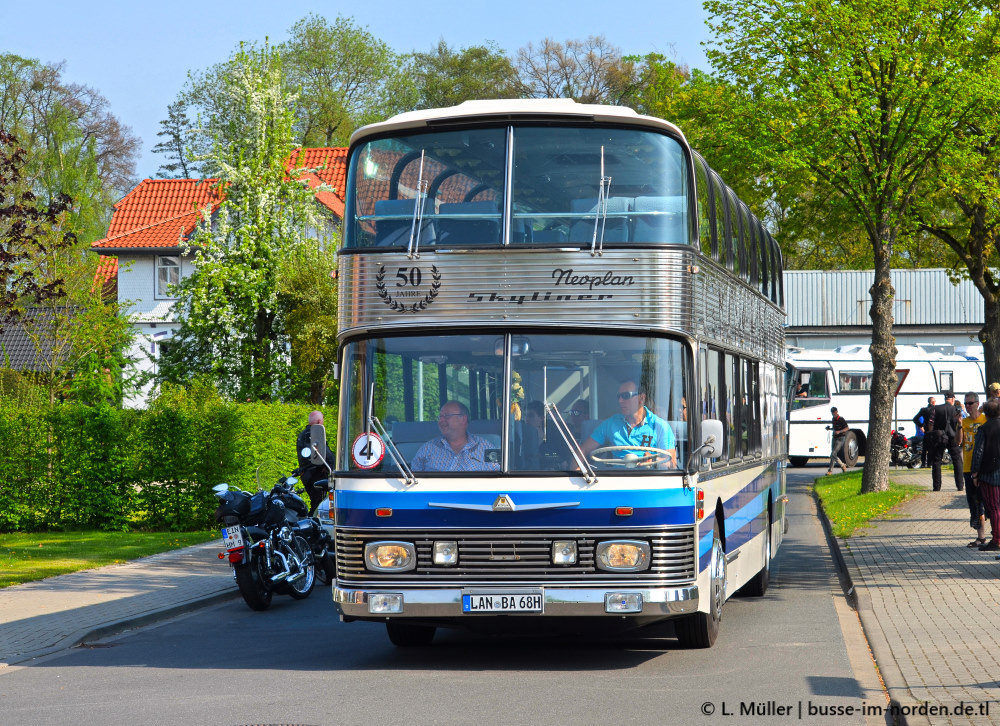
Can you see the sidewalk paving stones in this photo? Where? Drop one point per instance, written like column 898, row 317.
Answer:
column 935, row 601
column 47, row 615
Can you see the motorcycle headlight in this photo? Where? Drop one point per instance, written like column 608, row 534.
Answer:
column 390, row 556
column 622, row 555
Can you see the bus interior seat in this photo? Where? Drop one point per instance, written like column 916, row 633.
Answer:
column 470, row 231
column 615, row 228
column 549, row 235
column 666, row 226
column 396, row 232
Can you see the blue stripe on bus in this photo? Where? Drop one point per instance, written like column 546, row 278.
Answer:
column 743, row 516
column 651, row 507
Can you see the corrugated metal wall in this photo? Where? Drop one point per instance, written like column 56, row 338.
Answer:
column 923, row 297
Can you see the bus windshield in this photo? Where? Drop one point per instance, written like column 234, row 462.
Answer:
column 568, row 186
column 442, row 400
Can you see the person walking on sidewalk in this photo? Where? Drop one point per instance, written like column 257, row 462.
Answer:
column 970, row 425
column 986, row 469
column 840, row 428
column 946, row 434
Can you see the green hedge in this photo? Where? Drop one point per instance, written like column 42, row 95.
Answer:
column 74, row 466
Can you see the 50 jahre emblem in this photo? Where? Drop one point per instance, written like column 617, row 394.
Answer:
column 411, row 290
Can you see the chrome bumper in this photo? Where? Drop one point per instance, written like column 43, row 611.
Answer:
column 446, row 602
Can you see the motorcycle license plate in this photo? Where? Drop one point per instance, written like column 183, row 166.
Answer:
column 502, row 602
column 232, row 538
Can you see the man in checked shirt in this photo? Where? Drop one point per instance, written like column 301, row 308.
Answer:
column 455, row 449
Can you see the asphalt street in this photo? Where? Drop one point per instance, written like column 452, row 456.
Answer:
column 297, row 664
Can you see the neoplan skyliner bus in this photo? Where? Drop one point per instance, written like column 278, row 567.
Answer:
column 561, row 366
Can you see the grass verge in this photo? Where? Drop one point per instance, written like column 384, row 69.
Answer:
column 27, row 557
column 849, row 509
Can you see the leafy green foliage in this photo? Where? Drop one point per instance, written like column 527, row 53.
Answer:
column 447, row 77
column 73, row 466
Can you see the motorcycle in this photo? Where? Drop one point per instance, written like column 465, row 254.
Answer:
column 267, row 543
column 903, row 452
column 319, row 539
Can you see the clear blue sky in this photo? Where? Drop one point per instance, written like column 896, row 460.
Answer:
column 138, row 54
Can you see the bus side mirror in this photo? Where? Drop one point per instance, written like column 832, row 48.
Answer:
column 711, row 438
column 317, row 441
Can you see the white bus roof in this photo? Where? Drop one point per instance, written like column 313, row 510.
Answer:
column 524, row 107
column 860, row 353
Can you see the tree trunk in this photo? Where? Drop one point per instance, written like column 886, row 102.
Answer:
column 989, row 336
column 883, row 349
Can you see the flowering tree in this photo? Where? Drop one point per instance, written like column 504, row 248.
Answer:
column 232, row 323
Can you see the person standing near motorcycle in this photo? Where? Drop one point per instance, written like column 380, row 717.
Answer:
column 840, row 429
column 986, row 470
column 921, row 420
column 309, row 472
column 970, row 425
column 945, row 434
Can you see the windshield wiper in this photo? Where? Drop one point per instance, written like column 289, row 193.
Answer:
column 601, row 216
column 589, row 475
column 390, row 447
column 416, row 226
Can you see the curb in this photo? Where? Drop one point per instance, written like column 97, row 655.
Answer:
column 119, row 626
column 857, row 596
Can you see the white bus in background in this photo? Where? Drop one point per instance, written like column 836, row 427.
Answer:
column 821, row 379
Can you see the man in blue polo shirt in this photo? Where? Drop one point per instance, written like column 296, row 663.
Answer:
column 636, row 425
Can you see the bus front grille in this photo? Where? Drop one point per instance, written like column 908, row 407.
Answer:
column 518, row 556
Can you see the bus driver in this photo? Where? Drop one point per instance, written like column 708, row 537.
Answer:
column 636, row 425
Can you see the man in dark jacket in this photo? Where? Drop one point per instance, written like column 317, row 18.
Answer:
column 840, row 429
column 946, row 434
column 921, row 419
column 309, row 472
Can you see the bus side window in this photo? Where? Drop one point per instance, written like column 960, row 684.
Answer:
column 706, row 217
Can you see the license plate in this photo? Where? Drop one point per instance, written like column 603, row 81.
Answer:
column 232, row 538
column 502, row 602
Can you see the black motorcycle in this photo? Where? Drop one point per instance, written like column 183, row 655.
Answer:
column 319, row 539
column 903, row 452
column 267, row 542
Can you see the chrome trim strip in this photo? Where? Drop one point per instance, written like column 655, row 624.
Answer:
column 489, row 507
column 558, row 601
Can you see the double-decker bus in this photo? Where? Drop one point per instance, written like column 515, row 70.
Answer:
column 561, row 376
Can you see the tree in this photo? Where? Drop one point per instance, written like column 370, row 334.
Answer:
column 30, row 230
column 308, row 296
column 75, row 146
column 344, row 77
column 176, row 128
column 588, row 71
column 863, row 96
column 232, row 324
column 447, row 77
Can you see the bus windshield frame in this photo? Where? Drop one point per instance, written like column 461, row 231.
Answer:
column 529, row 184
column 595, row 382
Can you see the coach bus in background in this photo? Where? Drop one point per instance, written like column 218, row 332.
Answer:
column 818, row 380
column 561, row 376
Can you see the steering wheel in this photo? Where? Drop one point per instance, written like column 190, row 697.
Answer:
column 652, row 457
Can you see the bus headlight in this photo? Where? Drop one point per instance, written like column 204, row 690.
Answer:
column 445, row 553
column 390, row 556
column 564, row 552
column 622, row 555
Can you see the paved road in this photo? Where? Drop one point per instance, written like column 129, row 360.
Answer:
column 297, row 664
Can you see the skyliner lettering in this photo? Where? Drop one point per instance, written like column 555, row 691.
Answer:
column 534, row 297
column 566, row 277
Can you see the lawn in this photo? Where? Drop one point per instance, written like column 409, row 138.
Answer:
column 26, row 557
column 849, row 509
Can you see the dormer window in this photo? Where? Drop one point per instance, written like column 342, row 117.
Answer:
column 168, row 272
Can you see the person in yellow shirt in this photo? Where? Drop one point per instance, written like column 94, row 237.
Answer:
column 970, row 425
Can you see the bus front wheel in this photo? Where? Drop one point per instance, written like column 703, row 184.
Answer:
column 701, row 629
column 798, row 461
column 851, row 449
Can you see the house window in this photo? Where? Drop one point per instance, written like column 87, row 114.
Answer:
column 168, row 272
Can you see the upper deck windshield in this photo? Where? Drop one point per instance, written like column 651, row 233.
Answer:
column 442, row 401
column 570, row 185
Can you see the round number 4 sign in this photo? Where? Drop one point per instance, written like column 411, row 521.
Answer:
column 368, row 450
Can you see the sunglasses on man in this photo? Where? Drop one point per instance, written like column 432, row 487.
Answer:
column 626, row 395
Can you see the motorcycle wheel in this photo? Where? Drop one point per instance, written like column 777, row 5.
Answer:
column 253, row 585
column 326, row 570
column 303, row 587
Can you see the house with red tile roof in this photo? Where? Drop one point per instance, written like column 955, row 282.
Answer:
column 141, row 256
